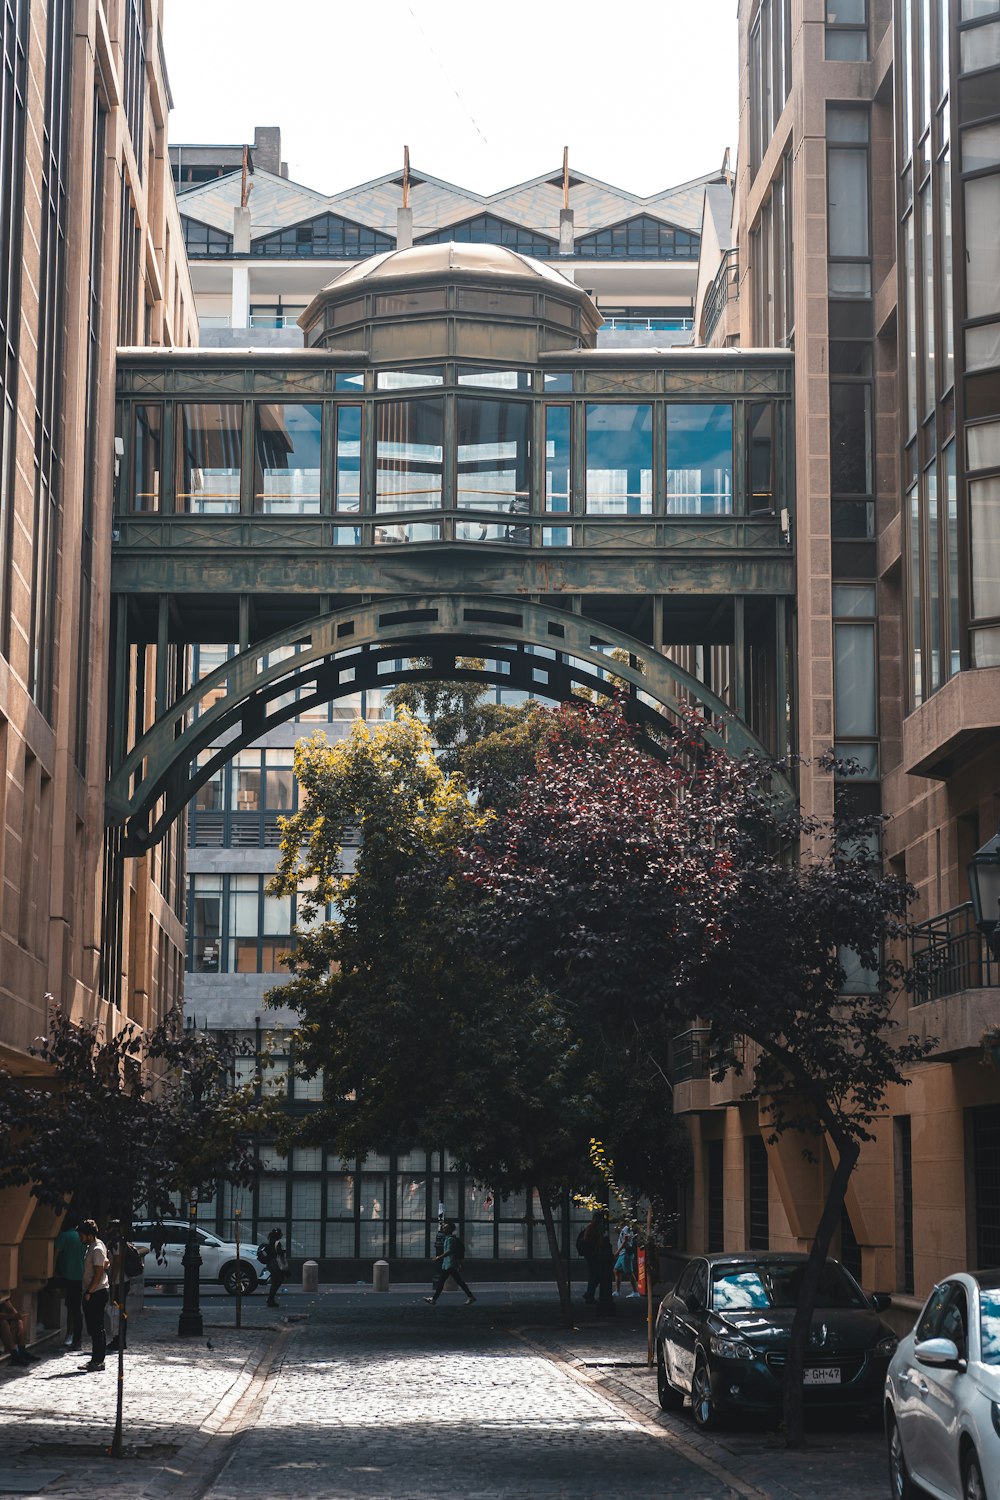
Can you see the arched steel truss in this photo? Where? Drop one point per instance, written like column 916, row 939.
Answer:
column 548, row 652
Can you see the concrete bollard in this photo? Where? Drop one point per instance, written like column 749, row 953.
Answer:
column 310, row 1276
column 380, row 1276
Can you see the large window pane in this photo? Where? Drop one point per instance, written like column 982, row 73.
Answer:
column 933, row 583
column 409, row 455
column 981, row 147
column 494, row 455
column 557, row 457
column 855, row 680
column 950, row 516
column 915, row 554
column 348, row 475
column 619, row 459
column 847, row 184
column 699, row 460
column 984, row 506
column 209, row 457
column 980, row 48
column 287, row 458
column 147, row 457
column 982, row 246
column 761, row 457
column 850, row 439
column 206, row 923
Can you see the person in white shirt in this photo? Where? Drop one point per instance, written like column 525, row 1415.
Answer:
column 95, row 1291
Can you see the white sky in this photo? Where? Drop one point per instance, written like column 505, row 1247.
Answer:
column 484, row 94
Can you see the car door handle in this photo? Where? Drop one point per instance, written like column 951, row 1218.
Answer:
column 922, row 1387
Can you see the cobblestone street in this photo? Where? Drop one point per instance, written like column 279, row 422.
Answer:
column 354, row 1396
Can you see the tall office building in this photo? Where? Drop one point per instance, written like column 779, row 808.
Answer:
column 91, row 256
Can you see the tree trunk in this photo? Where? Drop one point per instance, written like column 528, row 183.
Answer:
column 562, row 1280
column 792, row 1410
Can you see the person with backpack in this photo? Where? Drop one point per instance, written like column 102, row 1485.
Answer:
column 272, row 1253
column 588, row 1245
column 451, row 1259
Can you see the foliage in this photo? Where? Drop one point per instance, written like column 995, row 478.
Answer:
column 126, row 1120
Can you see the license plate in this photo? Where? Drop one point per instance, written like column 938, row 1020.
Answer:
column 826, row 1376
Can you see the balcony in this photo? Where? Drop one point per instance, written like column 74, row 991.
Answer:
column 724, row 289
column 956, row 996
column 694, row 1058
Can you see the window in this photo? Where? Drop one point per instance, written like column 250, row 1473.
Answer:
column 855, row 677
column 984, row 522
column 982, row 246
column 758, row 1219
column 619, row 460
column 850, row 439
column 699, row 459
column 134, row 75
column 487, row 229
column 641, row 238
column 147, row 457
column 770, row 73
column 206, row 924
column 348, row 477
column 494, row 455
column 329, row 236
column 409, row 455
column 903, row 1174
column 204, row 239
column 209, row 458
column 14, row 29
column 847, row 30
column 558, row 427
column 761, row 457
column 287, row 458
column 849, row 237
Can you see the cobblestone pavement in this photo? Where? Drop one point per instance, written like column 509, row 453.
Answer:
column 352, row 1396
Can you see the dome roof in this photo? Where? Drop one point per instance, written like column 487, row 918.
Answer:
column 444, row 259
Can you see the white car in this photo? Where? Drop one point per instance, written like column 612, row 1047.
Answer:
column 168, row 1242
column 942, row 1395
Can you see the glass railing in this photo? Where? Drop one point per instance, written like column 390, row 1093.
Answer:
column 650, row 325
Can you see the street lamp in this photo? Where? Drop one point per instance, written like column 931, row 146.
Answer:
column 190, row 1321
column 984, row 887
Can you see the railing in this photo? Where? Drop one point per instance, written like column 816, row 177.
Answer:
column 650, row 325
column 693, row 1054
column 950, row 954
column 724, row 289
column 222, row 320
column 274, row 320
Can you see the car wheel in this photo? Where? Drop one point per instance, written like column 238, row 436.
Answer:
column 670, row 1399
column 900, row 1482
column 247, row 1277
column 703, row 1408
column 973, row 1487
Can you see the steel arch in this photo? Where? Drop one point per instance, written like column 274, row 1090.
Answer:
column 531, row 646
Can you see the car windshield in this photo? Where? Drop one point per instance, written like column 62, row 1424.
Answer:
column 989, row 1324
column 776, row 1284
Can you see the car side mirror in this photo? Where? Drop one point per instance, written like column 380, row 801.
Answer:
column 693, row 1302
column 881, row 1300
column 939, row 1354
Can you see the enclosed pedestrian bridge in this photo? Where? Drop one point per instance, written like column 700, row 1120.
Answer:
column 449, row 470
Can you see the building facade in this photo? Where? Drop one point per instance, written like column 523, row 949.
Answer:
column 864, row 238
column 91, row 256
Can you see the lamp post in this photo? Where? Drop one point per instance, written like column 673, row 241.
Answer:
column 190, row 1321
column 984, row 888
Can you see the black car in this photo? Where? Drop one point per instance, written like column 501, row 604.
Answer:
column 722, row 1337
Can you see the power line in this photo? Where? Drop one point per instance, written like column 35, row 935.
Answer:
column 446, row 77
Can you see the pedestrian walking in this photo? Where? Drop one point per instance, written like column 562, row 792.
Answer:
column 126, row 1266
column 13, row 1329
column 588, row 1245
column 451, row 1257
column 626, row 1261
column 276, row 1262
column 71, row 1252
column 95, row 1292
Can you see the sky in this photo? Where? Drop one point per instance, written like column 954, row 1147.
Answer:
column 643, row 92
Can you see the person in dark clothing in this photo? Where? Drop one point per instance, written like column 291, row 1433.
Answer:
column 70, row 1255
column 605, row 1300
column 277, row 1264
column 95, row 1292
column 120, row 1286
column 451, row 1258
column 588, row 1244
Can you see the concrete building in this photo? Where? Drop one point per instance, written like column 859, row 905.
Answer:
column 864, row 238
column 91, row 255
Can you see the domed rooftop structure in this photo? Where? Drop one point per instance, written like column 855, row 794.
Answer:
column 444, row 300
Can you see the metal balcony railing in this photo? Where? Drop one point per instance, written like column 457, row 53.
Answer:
column 724, row 289
column 649, row 325
column 950, row 954
column 693, row 1054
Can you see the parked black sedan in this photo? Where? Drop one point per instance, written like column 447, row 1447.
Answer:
column 722, row 1337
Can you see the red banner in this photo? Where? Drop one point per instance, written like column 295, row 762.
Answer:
column 642, row 1271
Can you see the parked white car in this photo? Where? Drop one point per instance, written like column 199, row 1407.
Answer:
column 942, row 1395
column 218, row 1257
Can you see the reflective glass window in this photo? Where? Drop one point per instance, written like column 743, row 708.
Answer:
column 984, row 507
column 915, row 555
column 980, row 47
column 982, row 347
column 982, row 246
column 847, row 185
column 497, row 380
column 699, row 459
column 409, row 455
column 947, row 272
column 850, row 439
column 981, row 147
column 209, row 457
column 983, row 445
column 147, row 456
column 412, row 531
column 761, row 456
column 854, row 646
column 402, row 380
column 619, row 459
column 933, row 583
column 971, row 10
column 206, row 923
column 348, row 476
column 558, row 381
column 494, row 455
column 558, row 426
column 347, row 380
column 287, row 458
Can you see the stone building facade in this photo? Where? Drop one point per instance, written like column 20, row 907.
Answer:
column 91, row 257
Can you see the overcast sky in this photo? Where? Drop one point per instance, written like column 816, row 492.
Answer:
column 484, row 94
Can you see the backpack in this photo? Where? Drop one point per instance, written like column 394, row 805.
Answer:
column 457, row 1249
column 133, row 1262
column 581, row 1243
column 264, row 1253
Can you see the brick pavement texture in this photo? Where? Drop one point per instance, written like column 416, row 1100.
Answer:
column 353, row 1396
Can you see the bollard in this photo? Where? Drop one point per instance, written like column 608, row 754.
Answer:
column 380, row 1276
column 310, row 1276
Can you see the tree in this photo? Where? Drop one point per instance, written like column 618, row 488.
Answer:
column 418, row 1035
column 127, row 1119
column 643, row 891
